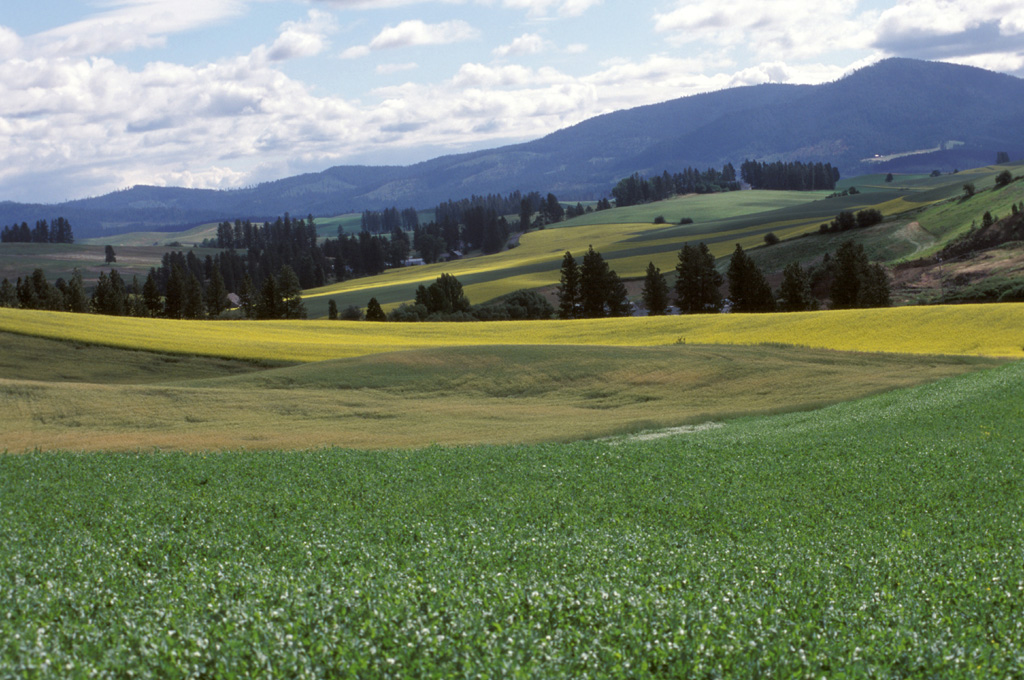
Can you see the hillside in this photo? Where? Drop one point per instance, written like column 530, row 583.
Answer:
column 964, row 115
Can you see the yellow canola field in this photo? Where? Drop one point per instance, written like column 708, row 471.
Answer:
column 995, row 330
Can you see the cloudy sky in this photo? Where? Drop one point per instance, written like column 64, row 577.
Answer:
column 99, row 95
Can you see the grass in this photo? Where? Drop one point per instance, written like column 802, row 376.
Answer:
column 878, row 538
column 453, row 395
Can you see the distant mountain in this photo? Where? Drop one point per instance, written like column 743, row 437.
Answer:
column 950, row 116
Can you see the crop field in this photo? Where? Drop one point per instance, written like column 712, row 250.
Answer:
column 878, row 538
column 994, row 330
column 628, row 239
column 374, row 385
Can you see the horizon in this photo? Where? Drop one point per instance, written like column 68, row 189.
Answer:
column 226, row 94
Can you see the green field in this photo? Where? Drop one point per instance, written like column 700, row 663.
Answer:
column 67, row 395
column 878, row 538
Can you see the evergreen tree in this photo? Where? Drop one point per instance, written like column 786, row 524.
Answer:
column 444, row 296
column 655, row 292
column 151, row 294
column 857, row 282
column 594, row 284
column 194, row 307
column 269, row 300
column 247, row 298
column 697, row 281
column 748, row 289
column 332, row 310
column 290, row 292
column 216, row 294
column 8, row 294
column 795, row 293
column 374, row 312
column 618, row 300
column 569, row 304
column 174, row 300
column 108, row 254
column 136, row 302
column 75, row 299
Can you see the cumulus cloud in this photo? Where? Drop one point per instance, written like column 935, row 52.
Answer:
column 10, row 43
column 414, row 33
column 933, row 29
column 781, row 29
column 528, row 43
column 302, row 38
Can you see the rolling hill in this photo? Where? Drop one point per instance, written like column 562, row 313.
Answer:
column 914, row 115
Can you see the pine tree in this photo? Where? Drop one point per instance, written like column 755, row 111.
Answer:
column 216, row 294
column 151, row 294
column 697, row 281
column 594, row 284
column 194, row 308
column 109, row 256
column 8, row 294
column 795, row 293
column 569, row 289
column 655, row 291
column 76, row 300
column 618, row 300
column 374, row 312
column 748, row 289
column 332, row 310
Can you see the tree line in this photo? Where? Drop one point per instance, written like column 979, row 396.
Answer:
column 444, row 300
column 58, row 232
column 847, row 276
column 636, row 190
column 791, row 176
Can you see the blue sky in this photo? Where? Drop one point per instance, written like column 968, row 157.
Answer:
column 99, row 95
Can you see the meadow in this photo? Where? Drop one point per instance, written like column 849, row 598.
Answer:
column 221, row 385
column 877, row 538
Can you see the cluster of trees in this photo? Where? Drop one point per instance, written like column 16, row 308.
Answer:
column 183, row 295
column 444, row 300
column 849, row 279
column 35, row 292
column 387, row 221
column 635, row 190
column 847, row 220
column 591, row 289
column 58, row 232
column 791, row 176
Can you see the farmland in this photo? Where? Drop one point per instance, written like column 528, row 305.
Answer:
column 878, row 538
column 371, row 385
column 628, row 238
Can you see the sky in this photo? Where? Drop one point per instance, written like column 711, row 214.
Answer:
column 101, row 95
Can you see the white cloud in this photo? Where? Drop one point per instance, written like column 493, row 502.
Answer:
column 414, row 33
column 303, row 38
column 10, row 43
column 543, row 8
column 528, row 43
column 780, row 29
column 132, row 24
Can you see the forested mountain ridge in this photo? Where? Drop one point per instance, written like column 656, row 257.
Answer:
column 897, row 106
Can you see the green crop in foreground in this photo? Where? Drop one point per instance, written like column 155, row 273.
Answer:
column 880, row 538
